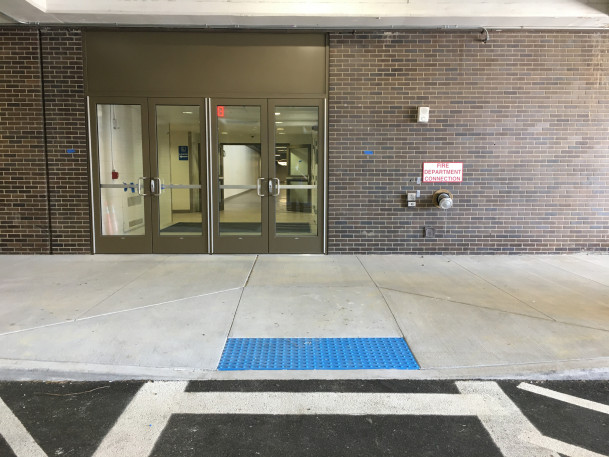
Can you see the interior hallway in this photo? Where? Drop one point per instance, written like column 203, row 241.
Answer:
column 168, row 316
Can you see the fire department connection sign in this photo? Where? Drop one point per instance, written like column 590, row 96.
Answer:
column 442, row 171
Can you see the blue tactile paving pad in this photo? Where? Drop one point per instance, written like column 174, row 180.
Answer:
column 316, row 354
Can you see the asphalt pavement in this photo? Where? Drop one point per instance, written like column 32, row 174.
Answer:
column 305, row 418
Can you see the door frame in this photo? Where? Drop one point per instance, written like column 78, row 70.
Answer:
column 151, row 241
column 115, row 244
column 235, row 244
column 268, row 242
column 176, row 244
column 299, row 244
column 209, row 241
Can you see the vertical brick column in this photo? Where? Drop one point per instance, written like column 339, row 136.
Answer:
column 23, row 199
column 65, row 108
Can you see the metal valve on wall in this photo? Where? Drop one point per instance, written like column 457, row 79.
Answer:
column 443, row 198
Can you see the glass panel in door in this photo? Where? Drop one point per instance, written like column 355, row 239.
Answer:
column 296, row 168
column 178, row 182
column 239, row 161
column 120, row 167
column 296, row 171
column 239, row 169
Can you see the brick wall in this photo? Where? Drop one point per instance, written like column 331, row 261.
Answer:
column 24, row 195
column 23, row 202
column 63, row 70
column 527, row 113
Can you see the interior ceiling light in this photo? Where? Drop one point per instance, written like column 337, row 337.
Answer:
column 186, row 112
column 277, row 114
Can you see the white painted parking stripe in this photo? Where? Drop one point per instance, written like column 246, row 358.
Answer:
column 139, row 427
column 563, row 448
column 137, row 430
column 592, row 405
column 510, row 424
column 322, row 403
column 15, row 434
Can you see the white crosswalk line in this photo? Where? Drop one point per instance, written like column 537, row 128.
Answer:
column 15, row 434
column 139, row 427
column 141, row 424
column 137, row 430
column 509, row 425
column 564, row 448
column 588, row 404
column 327, row 403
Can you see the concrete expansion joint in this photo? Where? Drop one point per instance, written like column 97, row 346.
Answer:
column 125, row 285
column 154, row 305
column 517, row 364
column 449, row 300
column 456, row 262
column 575, row 273
column 122, row 311
column 387, row 304
column 249, row 275
column 137, row 371
column 234, row 316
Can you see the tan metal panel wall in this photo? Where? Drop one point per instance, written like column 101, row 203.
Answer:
column 194, row 64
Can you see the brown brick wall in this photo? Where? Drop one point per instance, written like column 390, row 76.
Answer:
column 23, row 203
column 24, row 199
column 527, row 113
column 63, row 70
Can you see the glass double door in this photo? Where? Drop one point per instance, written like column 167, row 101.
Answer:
column 267, row 170
column 149, row 160
column 153, row 164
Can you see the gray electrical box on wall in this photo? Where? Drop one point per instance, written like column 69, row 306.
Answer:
column 423, row 114
column 411, row 197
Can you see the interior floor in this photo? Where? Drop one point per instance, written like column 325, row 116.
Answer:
column 241, row 215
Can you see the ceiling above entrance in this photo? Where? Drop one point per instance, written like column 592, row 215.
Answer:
column 326, row 14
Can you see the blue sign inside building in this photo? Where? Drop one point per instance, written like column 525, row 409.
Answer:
column 183, row 152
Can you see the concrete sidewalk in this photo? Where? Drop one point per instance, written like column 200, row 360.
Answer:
column 168, row 316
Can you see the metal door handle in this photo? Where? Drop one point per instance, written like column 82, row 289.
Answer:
column 140, row 184
column 277, row 187
column 156, row 187
column 259, row 187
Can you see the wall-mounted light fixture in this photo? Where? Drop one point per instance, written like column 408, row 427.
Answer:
column 443, row 199
column 484, row 35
